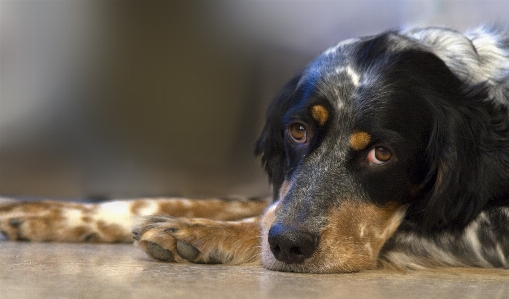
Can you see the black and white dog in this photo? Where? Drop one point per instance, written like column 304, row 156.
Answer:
column 387, row 150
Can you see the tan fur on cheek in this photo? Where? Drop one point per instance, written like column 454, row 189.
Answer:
column 355, row 234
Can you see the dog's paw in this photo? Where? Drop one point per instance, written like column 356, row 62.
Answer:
column 172, row 239
column 197, row 240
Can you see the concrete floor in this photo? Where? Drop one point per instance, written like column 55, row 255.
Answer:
column 31, row 270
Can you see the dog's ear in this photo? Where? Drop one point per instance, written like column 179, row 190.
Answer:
column 467, row 156
column 270, row 145
column 463, row 151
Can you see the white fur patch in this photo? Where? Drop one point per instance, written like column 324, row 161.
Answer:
column 474, row 57
column 150, row 208
column 354, row 76
column 115, row 212
column 471, row 235
column 73, row 217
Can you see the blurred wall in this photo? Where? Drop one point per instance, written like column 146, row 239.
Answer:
column 148, row 98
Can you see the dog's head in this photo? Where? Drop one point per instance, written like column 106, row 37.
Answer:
column 375, row 131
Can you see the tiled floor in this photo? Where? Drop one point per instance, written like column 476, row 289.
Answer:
column 30, row 270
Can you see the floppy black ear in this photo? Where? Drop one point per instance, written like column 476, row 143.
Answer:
column 270, row 145
column 468, row 156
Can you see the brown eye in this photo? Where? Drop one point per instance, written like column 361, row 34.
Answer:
column 379, row 155
column 298, row 133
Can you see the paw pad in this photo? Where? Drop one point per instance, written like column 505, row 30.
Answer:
column 158, row 252
column 187, row 251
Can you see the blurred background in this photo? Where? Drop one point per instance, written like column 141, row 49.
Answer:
column 148, row 98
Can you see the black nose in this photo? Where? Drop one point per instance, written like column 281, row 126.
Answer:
column 291, row 246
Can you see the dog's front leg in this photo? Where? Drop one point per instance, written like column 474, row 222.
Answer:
column 110, row 221
column 200, row 240
column 57, row 221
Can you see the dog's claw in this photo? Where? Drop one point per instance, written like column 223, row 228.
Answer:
column 136, row 234
column 171, row 230
column 15, row 222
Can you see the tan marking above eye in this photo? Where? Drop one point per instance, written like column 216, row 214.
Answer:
column 359, row 140
column 319, row 114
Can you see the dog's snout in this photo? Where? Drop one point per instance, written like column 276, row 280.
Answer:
column 290, row 245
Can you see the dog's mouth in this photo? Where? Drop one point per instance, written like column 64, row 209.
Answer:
column 349, row 242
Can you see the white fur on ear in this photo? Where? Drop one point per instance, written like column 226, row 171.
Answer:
column 476, row 56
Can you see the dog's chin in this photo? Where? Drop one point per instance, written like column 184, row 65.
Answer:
column 309, row 267
column 323, row 261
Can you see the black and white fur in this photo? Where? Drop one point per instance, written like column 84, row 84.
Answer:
column 452, row 129
column 480, row 59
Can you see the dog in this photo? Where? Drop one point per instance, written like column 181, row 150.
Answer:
column 385, row 151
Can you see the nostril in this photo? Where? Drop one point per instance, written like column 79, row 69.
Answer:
column 274, row 247
column 295, row 250
column 290, row 245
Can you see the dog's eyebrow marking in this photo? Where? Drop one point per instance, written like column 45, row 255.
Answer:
column 359, row 140
column 320, row 114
